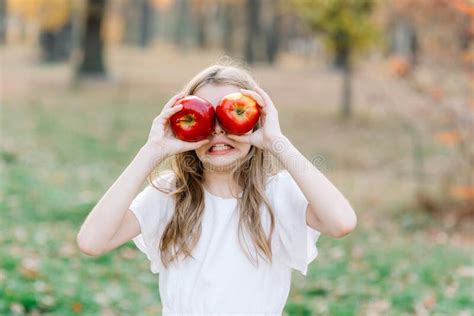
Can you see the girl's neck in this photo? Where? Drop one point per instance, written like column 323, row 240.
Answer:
column 220, row 184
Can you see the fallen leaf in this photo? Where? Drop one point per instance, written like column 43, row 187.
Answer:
column 76, row 307
column 462, row 192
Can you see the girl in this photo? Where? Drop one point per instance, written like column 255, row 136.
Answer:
column 204, row 223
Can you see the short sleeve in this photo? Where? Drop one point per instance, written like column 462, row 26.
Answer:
column 152, row 207
column 297, row 239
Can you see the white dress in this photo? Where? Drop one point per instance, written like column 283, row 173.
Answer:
column 221, row 280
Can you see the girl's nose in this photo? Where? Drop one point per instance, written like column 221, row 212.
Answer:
column 218, row 130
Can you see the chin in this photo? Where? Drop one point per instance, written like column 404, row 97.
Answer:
column 221, row 164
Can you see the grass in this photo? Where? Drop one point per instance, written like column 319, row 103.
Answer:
column 62, row 149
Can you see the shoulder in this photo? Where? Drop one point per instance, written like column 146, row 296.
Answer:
column 164, row 181
column 282, row 186
column 278, row 177
column 277, row 183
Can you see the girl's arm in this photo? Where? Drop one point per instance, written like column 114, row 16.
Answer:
column 110, row 223
column 103, row 222
column 328, row 211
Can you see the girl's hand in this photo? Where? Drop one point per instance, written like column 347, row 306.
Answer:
column 269, row 135
column 161, row 140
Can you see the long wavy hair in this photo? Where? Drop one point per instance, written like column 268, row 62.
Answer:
column 184, row 229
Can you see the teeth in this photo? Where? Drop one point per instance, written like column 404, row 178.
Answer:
column 220, row 147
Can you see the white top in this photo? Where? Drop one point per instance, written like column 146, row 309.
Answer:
column 222, row 280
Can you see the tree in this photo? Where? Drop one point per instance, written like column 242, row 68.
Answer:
column 273, row 32
column 92, row 43
column 181, row 25
column 3, row 21
column 200, row 20
column 346, row 28
column 139, row 18
column 146, row 23
column 227, row 10
column 55, row 29
column 253, row 31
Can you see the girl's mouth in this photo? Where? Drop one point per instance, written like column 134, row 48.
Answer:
column 220, row 149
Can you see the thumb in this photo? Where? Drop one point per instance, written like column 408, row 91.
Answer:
column 195, row 145
column 241, row 138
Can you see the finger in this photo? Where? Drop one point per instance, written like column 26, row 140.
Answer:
column 195, row 145
column 166, row 114
column 169, row 112
column 173, row 100
column 266, row 97
column 255, row 96
column 240, row 138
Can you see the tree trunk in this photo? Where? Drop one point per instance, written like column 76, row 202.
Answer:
column 404, row 40
column 55, row 45
column 347, row 91
column 200, row 20
column 181, row 23
column 47, row 41
column 146, row 23
column 273, row 34
column 228, row 28
column 253, row 29
column 343, row 63
column 3, row 22
column 132, row 18
column 92, row 43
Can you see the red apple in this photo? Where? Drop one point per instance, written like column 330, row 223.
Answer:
column 237, row 113
column 195, row 121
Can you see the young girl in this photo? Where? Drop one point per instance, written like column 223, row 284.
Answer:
column 205, row 223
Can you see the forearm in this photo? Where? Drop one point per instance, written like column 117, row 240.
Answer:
column 327, row 203
column 105, row 218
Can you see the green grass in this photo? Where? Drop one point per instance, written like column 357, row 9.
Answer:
column 59, row 155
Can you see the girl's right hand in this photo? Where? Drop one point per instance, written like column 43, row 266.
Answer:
column 161, row 138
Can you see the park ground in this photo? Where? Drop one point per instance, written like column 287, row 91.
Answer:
column 64, row 145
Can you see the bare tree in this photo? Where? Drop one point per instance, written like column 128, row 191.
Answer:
column 3, row 21
column 181, row 23
column 228, row 29
column 146, row 23
column 273, row 31
column 92, row 43
column 253, row 30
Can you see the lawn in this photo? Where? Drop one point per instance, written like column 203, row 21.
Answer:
column 62, row 148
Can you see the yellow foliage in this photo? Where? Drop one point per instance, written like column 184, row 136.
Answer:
column 25, row 8
column 113, row 28
column 54, row 14
column 162, row 4
column 50, row 14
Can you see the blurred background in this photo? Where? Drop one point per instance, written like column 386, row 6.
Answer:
column 377, row 94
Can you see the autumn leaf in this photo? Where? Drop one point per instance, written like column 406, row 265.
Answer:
column 76, row 307
column 462, row 192
column 437, row 94
column 448, row 137
column 399, row 66
column 464, row 6
column 468, row 57
column 429, row 301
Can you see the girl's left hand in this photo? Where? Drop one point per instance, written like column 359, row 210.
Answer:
column 269, row 133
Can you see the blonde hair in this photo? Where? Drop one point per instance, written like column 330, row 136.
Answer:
column 184, row 229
